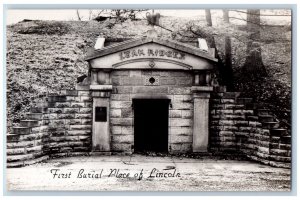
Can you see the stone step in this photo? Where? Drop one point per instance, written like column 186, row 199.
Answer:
column 241, row 100
column 278, row 132
column 39, row 108
column 254, row 105
column 35, row 116
column 239, row 106
column 36, row 110
column 286, row 139
column 57, row 98
column 30, row 123
column 12, row 138
column 263, row 111
column 231, row 95
column 71, row 92
column 42, row 104
column 18, row 158
column 26, row 162
column 252, row 117
column 280, row 158
column 266, row 118
column 54, row 93
column 220, row 89
column 270, row 125
column 21, row 130
column 250, row 106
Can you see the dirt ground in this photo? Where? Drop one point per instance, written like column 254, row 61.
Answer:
column 147, row 173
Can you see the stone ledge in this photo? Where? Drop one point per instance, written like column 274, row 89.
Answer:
column 99, row 153
column 202, row 88
column 101, row 87
column 81, row 87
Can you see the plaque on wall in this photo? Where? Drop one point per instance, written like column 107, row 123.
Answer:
column 100, row 114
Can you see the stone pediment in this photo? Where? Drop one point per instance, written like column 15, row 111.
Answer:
column 148, row 53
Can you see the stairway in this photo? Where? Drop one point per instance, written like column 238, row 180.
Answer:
column 60, row 126
column 279, row 148
column 26, row 143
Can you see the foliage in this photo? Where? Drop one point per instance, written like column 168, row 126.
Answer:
column 273, row 91
column 43, row 28
column 270, row 93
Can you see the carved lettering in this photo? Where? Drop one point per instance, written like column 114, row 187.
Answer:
column 133, row 53
column 175, row 53
column 151, row 53
column 169, row 54
column 161, row 52
column 141, row 52
column 126, row 54
column 121, row 56
column 182, row 56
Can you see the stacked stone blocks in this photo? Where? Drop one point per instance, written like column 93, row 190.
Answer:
column 60, row 126
column 239, row 126
column 131, row 84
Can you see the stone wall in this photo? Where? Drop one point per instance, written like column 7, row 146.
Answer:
column 239, row 125
column 62, row 125
column 69, row 121
column 59, row 127
column 173, row 85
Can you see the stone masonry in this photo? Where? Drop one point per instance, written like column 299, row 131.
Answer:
column 59, row 127
column 173, row 85
column 62, row 125
column 239, row 125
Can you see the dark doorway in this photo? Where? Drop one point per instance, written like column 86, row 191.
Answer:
column 151, row 125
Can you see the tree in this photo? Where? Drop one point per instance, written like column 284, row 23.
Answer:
column 226, row 16
column 254, row 67
column 208, row 17
column 78, row 15
column 118, row 15
column 228, row 72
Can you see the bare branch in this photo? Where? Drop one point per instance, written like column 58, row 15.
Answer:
column 261, row 14
column 172, row 31
column 260, row 25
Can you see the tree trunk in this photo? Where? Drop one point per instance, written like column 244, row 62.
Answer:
column 208, row 17
column 254, row 67
column 78, row 15
column 224, row 72
column 227, row 51
column 226, row 16
column 228, row 72
column 90, row 14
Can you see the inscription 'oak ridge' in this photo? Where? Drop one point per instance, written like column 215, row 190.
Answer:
column 151, row 53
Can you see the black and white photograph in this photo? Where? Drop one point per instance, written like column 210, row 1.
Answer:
column 149, row 100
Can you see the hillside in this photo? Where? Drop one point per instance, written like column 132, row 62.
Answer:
column 47, row 56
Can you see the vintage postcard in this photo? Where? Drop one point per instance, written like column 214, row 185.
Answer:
column 149, row 99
